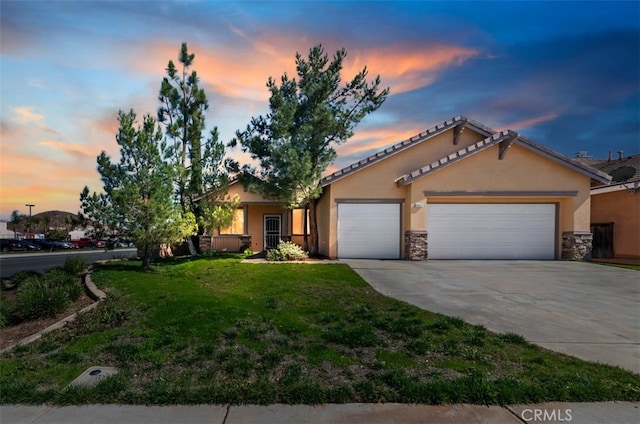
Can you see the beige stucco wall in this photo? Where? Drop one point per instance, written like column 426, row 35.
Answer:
column 623, row 209
column 255, row 228
column 520, row 170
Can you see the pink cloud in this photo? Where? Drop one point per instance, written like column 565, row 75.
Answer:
column 526, row 123
column 26, row 115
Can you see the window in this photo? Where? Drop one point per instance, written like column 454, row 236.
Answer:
column 298, row 221
column 237, row 226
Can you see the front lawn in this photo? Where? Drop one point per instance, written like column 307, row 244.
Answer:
column 216, row 330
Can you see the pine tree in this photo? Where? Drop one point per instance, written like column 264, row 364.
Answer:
column 295, row 142
column 200, row 168
column 137, row 198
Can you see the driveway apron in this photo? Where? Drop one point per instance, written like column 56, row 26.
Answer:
column 586, row 310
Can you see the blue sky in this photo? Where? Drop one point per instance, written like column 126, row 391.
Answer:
column 565, row 74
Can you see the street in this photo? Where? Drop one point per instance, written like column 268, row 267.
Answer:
column 40, row 262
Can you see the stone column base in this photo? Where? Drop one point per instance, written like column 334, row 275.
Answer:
column 576, row 245
column 415, row 245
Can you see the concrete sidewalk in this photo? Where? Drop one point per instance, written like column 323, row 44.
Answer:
column 583, row 413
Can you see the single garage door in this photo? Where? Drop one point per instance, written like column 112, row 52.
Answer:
column 369, row 230
column 491, row 231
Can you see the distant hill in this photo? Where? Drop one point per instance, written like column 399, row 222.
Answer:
column 40, row 222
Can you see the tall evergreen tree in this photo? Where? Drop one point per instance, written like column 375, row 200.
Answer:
column 137, row 198
column 295, row 142
column 182, row 112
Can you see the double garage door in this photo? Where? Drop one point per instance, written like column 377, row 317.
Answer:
column 456, row 231
column 491, row 231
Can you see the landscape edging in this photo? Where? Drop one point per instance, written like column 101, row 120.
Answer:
column 92, row 291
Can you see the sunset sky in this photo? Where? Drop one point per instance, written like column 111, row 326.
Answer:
column 564, row 74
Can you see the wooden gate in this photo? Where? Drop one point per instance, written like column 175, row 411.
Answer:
column 602, row 240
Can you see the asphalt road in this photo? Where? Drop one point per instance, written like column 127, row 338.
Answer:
column 10, row 263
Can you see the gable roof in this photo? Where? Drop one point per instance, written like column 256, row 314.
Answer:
column 502, row 136
column 406, row 144
column 492, row 138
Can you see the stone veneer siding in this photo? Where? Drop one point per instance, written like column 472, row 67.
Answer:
column 576, row 245
column 415, row 243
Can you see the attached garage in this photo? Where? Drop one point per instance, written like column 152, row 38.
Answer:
column 369, row 230
column 491, row 231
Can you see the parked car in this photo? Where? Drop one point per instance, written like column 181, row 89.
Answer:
column 44, row 244
column 9, row 245
column 63, row 244
column 87, row 242
column 28, row 245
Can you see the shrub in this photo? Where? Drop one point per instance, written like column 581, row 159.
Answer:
column 287, row 251
column 17, row 278
column 74, row 264
column 45, row 296
column 37, row 299
column 70, row 283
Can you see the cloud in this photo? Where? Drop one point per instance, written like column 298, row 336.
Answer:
column 25, row 115
column 406, row 68
column 529, row 122
column 78, row 151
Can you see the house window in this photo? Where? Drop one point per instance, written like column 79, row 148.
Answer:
column 237, row 226
column 298, row 221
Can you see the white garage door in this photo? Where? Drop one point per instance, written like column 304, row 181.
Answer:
column 369, row 230
column 491, row 231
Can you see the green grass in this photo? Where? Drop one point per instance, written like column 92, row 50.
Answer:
column 626, row 266
column 218, row 331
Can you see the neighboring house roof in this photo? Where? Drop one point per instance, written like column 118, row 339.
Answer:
column 619, row 170
column 505, row 138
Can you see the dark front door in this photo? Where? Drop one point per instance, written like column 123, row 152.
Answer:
column 272, row 231
column 602, row 240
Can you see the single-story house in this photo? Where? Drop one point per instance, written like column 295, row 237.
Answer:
column 615, row 208
column 457, row 190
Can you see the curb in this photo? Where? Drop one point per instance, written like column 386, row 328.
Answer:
column 92, row 291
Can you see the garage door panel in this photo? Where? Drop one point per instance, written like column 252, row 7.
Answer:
column 369, row 230
column 491, row 231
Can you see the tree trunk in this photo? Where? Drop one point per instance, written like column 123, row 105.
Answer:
column 191, row 246
column 305, row 224
column 146, row 260
column 313, row 226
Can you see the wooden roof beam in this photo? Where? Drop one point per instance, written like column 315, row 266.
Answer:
column 505, row 144
column 458, row 130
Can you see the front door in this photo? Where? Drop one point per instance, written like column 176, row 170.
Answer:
column 272, row 233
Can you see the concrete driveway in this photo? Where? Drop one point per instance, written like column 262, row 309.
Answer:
column 586, row 310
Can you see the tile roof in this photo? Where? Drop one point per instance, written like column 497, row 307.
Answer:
column 608, row 166
column 405, row 144
column 456, row 156
column 490, row 140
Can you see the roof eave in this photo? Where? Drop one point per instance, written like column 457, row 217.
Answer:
column 587, row 170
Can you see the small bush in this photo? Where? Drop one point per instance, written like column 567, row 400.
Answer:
column 37, row 299
column 45, row 296
column 74, row 264
column 5, row 312
column 17, row 278
column 287, row 251
column 70, row 283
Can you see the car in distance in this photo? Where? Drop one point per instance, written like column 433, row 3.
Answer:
column 10, row 245
column 28, row 245
column 44, row 244
column 87, row 242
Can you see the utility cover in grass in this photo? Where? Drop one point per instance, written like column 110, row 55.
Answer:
column 93, row 375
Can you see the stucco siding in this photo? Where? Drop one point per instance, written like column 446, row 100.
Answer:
column 623, row 209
